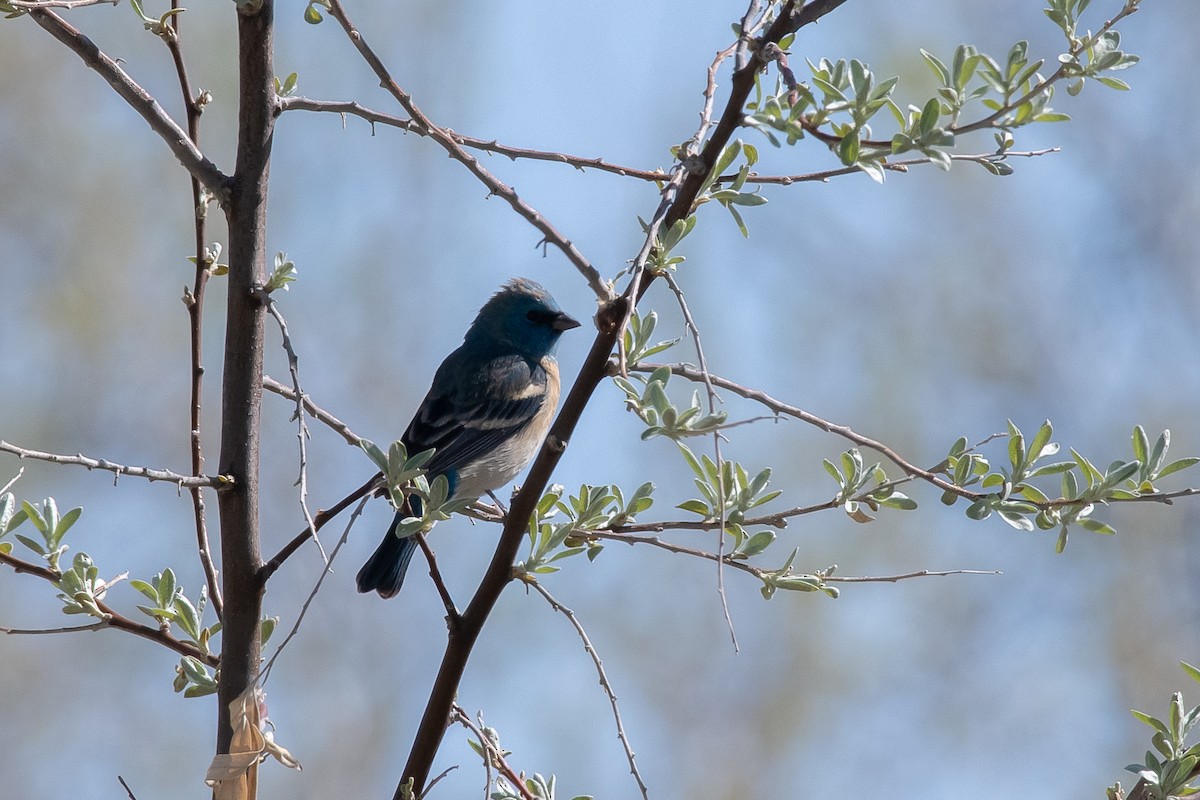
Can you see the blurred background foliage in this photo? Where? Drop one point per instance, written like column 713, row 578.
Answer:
column 935, row 306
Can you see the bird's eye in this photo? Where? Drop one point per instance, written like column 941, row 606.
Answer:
column 533, row 315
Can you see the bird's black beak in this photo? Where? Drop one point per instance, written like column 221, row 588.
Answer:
column 563, row 322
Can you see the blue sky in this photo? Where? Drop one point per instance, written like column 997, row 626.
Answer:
column 936, row 305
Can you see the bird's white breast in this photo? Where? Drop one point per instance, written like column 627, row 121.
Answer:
column 505, row 462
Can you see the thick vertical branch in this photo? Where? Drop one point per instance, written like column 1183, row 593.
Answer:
column 242, row 386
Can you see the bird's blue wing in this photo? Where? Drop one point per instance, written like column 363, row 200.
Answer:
column 473, row 408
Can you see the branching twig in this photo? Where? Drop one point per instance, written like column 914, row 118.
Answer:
column 193, row 299
column 585, row 163
column 182, row 481
column 494, row 756
column 604, row 682
column 550, row 235
column 779, row 407
column 111, row 618
column 315, row 411
column 302, row 427
column 711, row 393
column 322, row 517
column 266, row 670
column 139, row 100
column 763, row 574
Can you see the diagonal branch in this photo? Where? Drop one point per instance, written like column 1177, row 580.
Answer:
column 610, row 321
column 139, row 99
column 608, row 690
column 111, row 618
column 549, row 233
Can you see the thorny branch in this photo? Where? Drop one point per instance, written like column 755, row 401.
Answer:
column 182, row 481
column 550, row 234
column 529, row 580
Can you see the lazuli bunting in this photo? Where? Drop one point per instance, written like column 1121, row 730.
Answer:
column 489, row 408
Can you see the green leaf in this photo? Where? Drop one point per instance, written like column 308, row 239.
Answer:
column 145, row 589
column 1040, row 440
column 374, row 453
column 696, row 507
column 1141, row 444
column 1096, row 526
column 69, row 519
column 312, row 16
column 1175, row 466
column 35, row 517
column 935, row 64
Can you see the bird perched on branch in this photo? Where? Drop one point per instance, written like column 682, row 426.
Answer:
column 489, row 408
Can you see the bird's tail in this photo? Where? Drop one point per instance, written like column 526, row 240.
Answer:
column 384, row 570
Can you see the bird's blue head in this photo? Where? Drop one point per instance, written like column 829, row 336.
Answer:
column 521, row 318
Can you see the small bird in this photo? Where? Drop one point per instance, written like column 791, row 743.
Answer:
column 489, row 408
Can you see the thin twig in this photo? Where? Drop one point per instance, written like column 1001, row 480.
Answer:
column 452, row 615
column 66, row 5
column 302, row 427
column 314, row 411
column 80, row 460
column 585, row 163
column 923, row 573
column 779, row 407
column 128, row 791
column 490, row 146
column 113, row 619
column 266, row 671
column 440, row 775
column 139, row 100
column 322, row 517
column 711, row 393
column 193, row 299
column 494, row 756
column 604, row 682
column 95, row 626
column 762, row 573
column 550, row 235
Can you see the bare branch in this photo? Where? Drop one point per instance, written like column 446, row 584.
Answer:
column 825, row 575
column 182, row 481
column 139, row 99
column 452, row 615
column 266, row 670
column 302, row 427
column 315, row 411
column 319, row 520
column 489, row 146
column 550, row 235
column 193, row 300
column 66, row 5
column 608, row 690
